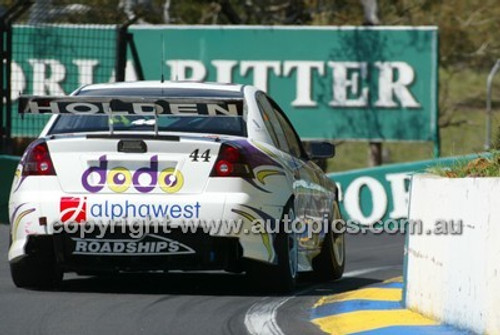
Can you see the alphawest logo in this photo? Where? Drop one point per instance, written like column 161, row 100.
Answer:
column 120, row 179
column 73, row 209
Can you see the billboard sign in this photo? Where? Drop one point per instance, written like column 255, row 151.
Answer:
column 360, row 83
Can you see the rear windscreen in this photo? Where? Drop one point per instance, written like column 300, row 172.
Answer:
column 224, row 125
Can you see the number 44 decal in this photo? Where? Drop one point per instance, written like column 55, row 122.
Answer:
column 195, row 155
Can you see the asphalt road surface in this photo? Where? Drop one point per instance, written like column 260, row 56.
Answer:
column 184, row 303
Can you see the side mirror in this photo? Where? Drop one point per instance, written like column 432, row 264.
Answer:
column 321, row 150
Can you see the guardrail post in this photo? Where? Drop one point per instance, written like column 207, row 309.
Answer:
column 122, row 38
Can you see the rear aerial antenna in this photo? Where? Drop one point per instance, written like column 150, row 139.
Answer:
column 162, row 57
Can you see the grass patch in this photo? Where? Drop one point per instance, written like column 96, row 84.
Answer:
column 479, row 167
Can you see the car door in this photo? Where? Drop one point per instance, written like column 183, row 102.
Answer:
column 312, row 200
column 292, row 163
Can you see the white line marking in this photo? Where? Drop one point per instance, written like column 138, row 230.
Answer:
column 261, row 318
column 356, row 273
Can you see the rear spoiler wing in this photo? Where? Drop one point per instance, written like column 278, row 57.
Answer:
column 111, row 106
column 85, row 105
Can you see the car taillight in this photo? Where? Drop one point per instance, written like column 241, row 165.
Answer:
column 230, row 162
column 38, row 161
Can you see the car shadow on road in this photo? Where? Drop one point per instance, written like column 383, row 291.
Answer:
column 201, row 283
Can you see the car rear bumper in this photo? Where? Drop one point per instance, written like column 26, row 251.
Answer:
column 209, row 253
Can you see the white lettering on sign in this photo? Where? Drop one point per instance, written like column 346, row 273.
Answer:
column 130, row 74
column 191, row 70
column 389, row 87
column 48, row 75
column 352, row 197
column 400, row 194
column 356, row 200
column 349, row 87
column 260, row 71
column 86, row 70
column 224, row 70
column 18, row 82
column 347, row 82
column 304, row 70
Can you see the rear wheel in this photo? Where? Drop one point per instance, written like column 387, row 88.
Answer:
column 279, row 278
column 31, row 272
column 330, row 263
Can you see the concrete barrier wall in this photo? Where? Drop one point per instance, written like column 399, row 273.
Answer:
column 8, row 166
column 455, row 278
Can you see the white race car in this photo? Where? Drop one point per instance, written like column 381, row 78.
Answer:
column 152, row 176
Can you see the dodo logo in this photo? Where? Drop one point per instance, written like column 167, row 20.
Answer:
column 120, row 179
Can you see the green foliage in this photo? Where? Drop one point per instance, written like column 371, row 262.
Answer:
column 468, row 28
column 479, row 167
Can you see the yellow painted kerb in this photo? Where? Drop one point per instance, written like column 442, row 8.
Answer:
column 355, row 322
column 394, row 280
column 373, row 293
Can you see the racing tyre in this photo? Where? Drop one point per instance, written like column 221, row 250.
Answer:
column 330, row 263
column 279, row 278
column 30, row 272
